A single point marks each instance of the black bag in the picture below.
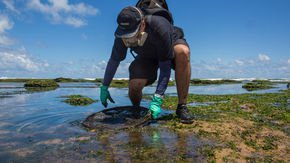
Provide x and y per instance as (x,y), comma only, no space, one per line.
(155,7)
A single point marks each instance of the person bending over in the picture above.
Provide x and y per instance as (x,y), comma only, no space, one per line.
(158,45)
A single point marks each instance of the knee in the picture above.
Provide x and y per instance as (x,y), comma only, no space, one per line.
(182,52)
(134,90)
(135,87)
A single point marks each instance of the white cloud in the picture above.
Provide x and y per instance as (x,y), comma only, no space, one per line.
(239,62)
(249,68)
(5,25)
(99,67)
(4,40)
(76,22)
(123,69)
(211,67)
(219,60)
(103,63)
(18,60)
(10,5)
(289,61)
(264,57)
(283,68)
(250,62)
(61,12)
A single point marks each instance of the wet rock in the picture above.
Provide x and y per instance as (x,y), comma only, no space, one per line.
(41,84)
(247,107)
(257,86)
(117,118)
(78,100)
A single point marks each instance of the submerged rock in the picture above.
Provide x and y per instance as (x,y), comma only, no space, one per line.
(117,118)
(257,86)
(78,100)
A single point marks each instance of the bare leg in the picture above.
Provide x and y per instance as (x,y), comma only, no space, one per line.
(182,71)
(135,90)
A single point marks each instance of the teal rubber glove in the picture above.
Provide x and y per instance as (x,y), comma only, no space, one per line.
(155,105)
(105,95)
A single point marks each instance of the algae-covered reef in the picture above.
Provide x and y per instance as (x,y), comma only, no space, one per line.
(69,80)
(41,84)
(258,85)
(98,80)
(36,85)
(229,128)
(207,82)
(59,80)
(78,100)
(124,83)
(247,127)
(119,83)
(14,80)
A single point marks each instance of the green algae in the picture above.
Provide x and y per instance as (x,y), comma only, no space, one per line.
(35,85)
(171,83)
(41,84)
(208,82)
(208,152)
(270,143)
(78,100)
(146,145)
(70,80)
(119,83)
(98,80)
(244,124)
(234,128)
(258,85)
(15,80)
(59,80)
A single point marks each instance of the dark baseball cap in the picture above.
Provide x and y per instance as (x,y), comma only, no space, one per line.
(129,20)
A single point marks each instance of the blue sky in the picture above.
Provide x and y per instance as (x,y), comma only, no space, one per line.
(73,38)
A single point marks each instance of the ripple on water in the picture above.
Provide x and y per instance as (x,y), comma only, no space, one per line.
(43,121)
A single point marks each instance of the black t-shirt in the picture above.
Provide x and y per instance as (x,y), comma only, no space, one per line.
(157,46)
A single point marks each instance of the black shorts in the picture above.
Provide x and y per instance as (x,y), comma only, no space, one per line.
(178,37)
(143,68)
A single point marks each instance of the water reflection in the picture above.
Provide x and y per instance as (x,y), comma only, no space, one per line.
(149,145)
(34,90)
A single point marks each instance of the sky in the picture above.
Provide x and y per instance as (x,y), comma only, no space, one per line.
(74,38)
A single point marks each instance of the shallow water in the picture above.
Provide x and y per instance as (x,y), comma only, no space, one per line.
(39,126)
(220,89)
